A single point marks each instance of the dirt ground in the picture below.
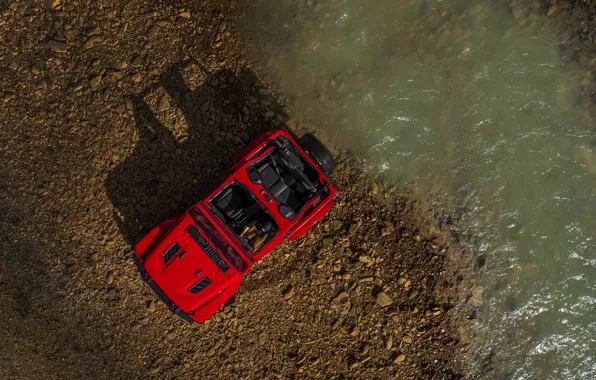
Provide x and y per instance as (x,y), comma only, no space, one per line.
(117,114)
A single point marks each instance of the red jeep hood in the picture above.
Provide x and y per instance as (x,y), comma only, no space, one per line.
(185,269)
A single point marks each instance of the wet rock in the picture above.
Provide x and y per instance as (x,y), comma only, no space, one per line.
(57,46)
(383,299)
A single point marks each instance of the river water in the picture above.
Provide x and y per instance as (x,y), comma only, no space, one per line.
(480,113)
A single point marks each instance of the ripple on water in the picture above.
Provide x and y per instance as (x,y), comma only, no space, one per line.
(481,113)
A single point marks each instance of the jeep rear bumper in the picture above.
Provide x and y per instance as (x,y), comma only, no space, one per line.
(162,296)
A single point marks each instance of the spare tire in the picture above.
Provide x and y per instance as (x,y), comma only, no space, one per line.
(318,152)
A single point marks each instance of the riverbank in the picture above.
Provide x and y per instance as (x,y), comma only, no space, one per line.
(116,115)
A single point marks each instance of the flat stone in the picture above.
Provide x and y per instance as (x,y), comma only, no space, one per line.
(164,104)
(383,299)
(152,32)
(57,46)
(95,81)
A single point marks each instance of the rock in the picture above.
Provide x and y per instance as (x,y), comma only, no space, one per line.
(405,232)
(135,77)
(385,232)
(365,259)
(95,81)
(184,14)
(152,32)
(110,277)
(407,340)
(388,342)
(400,359)
(112,294)
(8,96)
(57,46)
(341,303)
(91,41)
(151,306)
(164,104)
(383,299)
(401,280)
(552,10)
(328,241)
(374,188)
(288,293)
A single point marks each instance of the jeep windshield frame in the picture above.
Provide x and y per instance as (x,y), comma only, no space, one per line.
(218,240)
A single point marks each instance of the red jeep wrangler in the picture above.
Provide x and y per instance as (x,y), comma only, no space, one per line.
(277,189)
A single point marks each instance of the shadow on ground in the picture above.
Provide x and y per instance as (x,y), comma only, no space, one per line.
(166,174)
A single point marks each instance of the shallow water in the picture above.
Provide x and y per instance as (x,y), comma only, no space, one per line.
(480,113)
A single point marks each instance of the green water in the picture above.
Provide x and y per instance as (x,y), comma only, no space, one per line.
(480,112)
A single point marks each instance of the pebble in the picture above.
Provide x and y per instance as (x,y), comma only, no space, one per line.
(8,96)
(328,241)
(112,294)
(407,339)
(110,277)
(388,342)
(383,299)
(289,292)
(95,81)
(400,359)
(185,14)
(152,32)
(57,46)
(164,104)
(136,77)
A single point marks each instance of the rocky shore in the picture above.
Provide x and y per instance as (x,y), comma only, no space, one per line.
(117,114)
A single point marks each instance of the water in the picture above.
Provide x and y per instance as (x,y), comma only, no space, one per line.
(480,113)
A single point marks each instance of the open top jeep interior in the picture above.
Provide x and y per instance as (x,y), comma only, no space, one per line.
(245,215)
(288,177)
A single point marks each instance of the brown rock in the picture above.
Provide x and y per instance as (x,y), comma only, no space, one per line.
(8,96)
(400,359)
(383,299)
(288,292)
(152,32)
(164,104)
(95,81)
(185,14)
(135,77)
(389,342)
(57,46)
